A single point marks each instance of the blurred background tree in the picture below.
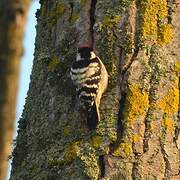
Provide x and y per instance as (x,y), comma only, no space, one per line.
(12,22)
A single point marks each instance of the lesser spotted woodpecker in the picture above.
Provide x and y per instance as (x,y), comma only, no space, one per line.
(89,75)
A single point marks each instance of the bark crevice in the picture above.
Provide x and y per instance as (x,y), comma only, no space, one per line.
(137,161)
(92,18)
(148,118)
(72,9)
(170,4)
(168,171)
(120,115)
(136,39)
(177,128)
(102,166)
(133,57)
(124,76)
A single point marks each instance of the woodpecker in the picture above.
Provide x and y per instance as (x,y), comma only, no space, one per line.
(90,77)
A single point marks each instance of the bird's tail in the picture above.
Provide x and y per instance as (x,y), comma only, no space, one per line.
(93,117)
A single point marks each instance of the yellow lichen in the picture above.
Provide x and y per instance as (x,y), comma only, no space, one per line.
(96,141)
(177,67)
(169,103)
(53,63)
(137,138)
(149,26)
(154,12)
(161,6)
(136,104)
(110,21)
(67,130)
(168,124)
(124,150)
(165,34)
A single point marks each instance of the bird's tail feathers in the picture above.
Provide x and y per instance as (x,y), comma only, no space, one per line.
(93,117)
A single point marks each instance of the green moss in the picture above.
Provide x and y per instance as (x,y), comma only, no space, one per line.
(105,47)
(124,170)
(111,37)
(55,13)
(69,154)
(96,141)
(82,3)
(148,177)
(88,162)
(60,8)
(75,16)
(43,9)
(67,130)
(110,21)
(125,3)
(107,127)
(53,63)
(115,7)
(154,12)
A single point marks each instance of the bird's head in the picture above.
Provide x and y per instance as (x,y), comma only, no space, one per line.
(84,52)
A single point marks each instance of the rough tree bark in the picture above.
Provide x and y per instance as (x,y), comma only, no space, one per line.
(12,22)
(138,135)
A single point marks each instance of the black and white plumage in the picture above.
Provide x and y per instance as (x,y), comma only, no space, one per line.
(89,75)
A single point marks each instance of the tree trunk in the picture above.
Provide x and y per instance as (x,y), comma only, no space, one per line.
(12,22)
(138,135)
